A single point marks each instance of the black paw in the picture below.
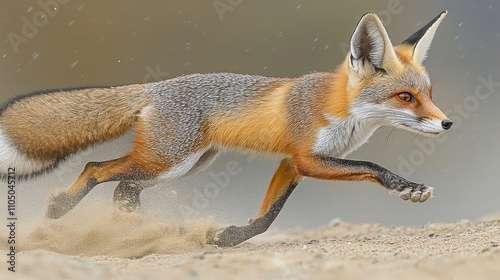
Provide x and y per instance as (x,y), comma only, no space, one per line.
(60,204)
(229,236)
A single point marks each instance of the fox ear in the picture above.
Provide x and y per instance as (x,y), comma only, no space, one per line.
(421,40)
(371,48)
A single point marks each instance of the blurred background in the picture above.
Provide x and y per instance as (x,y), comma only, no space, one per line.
(68,43)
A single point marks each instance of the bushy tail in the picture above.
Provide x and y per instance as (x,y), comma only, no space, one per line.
(40,129)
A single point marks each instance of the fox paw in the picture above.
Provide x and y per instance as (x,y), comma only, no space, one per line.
(226,237)
(58,205)
(231,236)
(127,202)
(419,193)
(127,206)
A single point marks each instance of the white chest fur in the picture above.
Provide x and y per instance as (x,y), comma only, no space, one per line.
(343,136)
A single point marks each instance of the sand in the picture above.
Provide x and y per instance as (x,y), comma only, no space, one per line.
(101,243)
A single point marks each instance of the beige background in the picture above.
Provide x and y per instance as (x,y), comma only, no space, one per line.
(85,43)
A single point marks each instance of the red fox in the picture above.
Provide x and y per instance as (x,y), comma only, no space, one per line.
(182,124)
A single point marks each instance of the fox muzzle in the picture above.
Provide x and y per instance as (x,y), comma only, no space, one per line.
(446,124)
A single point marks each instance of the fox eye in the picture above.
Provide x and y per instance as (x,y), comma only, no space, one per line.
(406,97)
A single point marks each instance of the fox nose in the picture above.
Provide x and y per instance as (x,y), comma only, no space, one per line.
(446,124)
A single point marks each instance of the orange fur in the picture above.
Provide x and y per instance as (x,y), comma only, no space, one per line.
(338,97)
(100,173)
(143,154)
(62,120)
(260,126)
(405,55)
(281,181)
(427,109)
(310,167)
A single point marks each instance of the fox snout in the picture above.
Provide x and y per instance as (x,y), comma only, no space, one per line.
(435,121)
(446,124)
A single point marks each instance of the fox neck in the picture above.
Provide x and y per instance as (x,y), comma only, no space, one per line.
(344,135)
(349,121)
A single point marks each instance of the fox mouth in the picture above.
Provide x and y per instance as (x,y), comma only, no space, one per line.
(430,134)
(421,131)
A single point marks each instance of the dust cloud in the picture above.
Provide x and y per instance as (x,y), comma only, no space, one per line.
(101,229)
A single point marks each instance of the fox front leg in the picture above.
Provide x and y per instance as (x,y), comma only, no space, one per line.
(291,172)
(331,168)
(284,181)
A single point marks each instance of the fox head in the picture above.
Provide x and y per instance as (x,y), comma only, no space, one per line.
(391,85)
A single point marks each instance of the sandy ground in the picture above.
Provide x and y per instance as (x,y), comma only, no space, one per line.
(107,244)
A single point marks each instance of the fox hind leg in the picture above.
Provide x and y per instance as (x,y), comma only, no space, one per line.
(132,176)
(127,194)
(122,169)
